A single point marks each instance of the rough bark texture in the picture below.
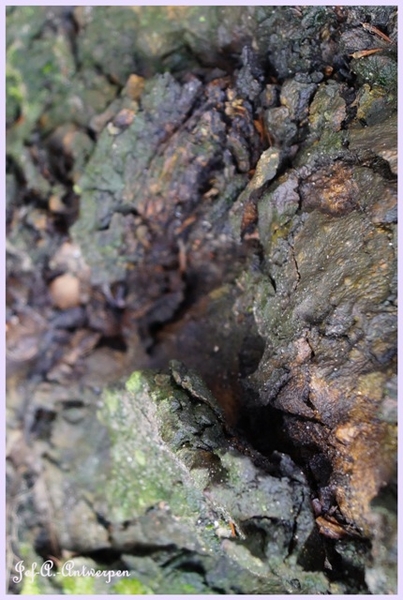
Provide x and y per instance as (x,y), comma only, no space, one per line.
(218,186)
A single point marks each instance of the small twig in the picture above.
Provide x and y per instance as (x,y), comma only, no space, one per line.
(376,31)
(362,53)
(182,256)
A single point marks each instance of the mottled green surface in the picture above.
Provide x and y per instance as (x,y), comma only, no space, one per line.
(171,483)
(156,481)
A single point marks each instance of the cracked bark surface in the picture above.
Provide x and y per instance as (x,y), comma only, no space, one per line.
(238,214)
